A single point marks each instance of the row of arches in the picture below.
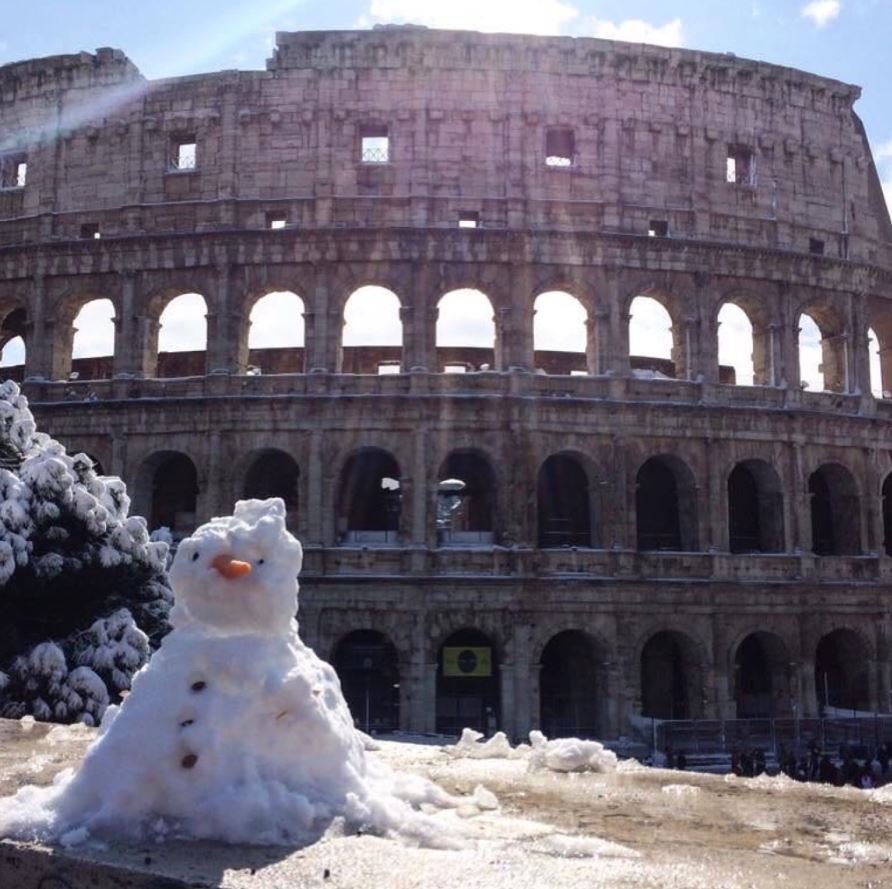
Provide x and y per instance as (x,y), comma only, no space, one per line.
(372,316)
(574,680)
(368,503)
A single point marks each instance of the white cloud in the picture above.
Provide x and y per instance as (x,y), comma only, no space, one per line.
(638,31)
(507,16)
(821,12)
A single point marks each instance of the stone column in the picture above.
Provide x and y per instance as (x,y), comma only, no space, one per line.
(418,533)
(223,327)
(617,347)
(506,722)
(790,373)
(717,537)
(39,335)
(800,532)
(808,695)
(597,331)
(706,362)
(324,326)
(126,361)
(314,509)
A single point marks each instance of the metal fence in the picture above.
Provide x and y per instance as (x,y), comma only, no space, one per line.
(864,732)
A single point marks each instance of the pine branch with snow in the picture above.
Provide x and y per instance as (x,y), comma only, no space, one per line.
(76,568)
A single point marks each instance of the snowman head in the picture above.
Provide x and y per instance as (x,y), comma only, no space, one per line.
(238,573)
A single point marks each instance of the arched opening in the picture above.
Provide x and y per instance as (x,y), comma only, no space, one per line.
(665,505)
(755,509)
(761,677)
(671,677)
(468,684)
(841,672)
(736,346)
(273,473)
(276,334)
(466,497)
(373,332)
(173,482)
(875,364)
(94,330)
(651,348)
(887,515)
(560,337)
(572,691)
(367,665)
(835,511)
(182,336)
(370,499)
(811,372)
(466,332)
(564,503)
(13,352)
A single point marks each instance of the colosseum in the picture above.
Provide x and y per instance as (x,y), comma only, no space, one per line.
(509,534)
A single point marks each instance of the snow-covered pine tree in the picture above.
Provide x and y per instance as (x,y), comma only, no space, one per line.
(83,589)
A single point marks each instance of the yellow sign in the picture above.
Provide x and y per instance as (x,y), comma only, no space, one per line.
(467,661)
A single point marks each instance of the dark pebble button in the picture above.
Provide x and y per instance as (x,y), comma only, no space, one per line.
(198,686)
(189,760)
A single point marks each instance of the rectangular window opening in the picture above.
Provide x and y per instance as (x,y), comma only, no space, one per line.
(388,367)
(816,246)
(454,368)
(560,147)
(13,171)
(739,166)
(658,228)
(276,221)
(375,145)
(90,231)
(469,219)
(185,154)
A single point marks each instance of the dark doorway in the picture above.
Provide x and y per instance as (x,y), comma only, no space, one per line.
(564,508)
(755,509)
(670,677)
(569,698)
(467,684)
(370,499)
(665,505)
(174,494)
(835,512)
(367,664)
(841,672)
(761,686)
(466,500)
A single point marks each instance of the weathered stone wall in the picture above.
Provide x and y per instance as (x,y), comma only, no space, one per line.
(467,117)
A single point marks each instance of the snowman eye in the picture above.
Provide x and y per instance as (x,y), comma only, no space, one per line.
(260,561)
(194,557)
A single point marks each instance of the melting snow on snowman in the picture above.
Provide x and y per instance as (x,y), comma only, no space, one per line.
(235,730)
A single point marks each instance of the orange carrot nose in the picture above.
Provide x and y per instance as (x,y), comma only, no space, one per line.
(230,567)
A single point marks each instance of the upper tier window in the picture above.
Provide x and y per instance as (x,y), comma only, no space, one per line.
(740,168)
(13,171)
(560,147)
(184,154)
(375,145)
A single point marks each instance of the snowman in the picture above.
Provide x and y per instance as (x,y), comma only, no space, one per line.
(235,730)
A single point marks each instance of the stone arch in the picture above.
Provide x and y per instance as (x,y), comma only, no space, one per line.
(566,505)
(369,501)
(93,338)
(13,332)
(656,333)
(672,670)
(187,332)
(835,511)
(466,331)
(842,670)
(372,336)
(367,664)
(167,487)
(466,499)
(573,686)
(666,505)
(833,346)
(879,315)
(762,671)
(755,508)
(67,308)
(270,472)
(735,346)
(276,333)
(560,333)
(760,322)
(468,692)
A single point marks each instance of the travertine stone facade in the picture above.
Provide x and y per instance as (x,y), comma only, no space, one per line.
(694,178)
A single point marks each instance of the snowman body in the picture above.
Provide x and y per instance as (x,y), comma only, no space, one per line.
(235,729)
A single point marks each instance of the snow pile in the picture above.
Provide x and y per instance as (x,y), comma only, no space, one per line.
(235,730)
(471,746)
(558,755)
(570,755)
(69,552)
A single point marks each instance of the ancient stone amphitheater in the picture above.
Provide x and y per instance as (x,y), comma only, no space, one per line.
(551,538)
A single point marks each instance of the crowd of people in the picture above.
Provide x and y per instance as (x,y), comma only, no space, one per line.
(856,766)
